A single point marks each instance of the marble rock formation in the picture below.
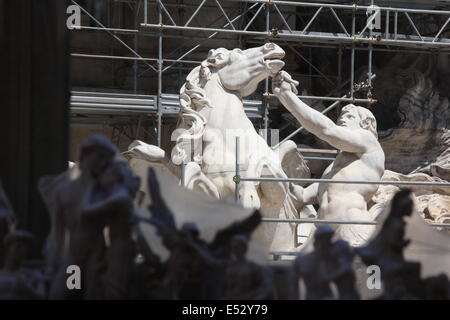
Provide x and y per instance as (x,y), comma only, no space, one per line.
(415,93)
(433,202)
(428,245)
(405,249)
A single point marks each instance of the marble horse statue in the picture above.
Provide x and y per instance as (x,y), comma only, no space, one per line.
(212,115)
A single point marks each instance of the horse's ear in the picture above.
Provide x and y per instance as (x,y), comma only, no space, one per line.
(211,53)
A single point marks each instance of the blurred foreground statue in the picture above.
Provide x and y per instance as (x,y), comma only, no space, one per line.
(342,273)
(92,225)
(7,220)
(246,280)
(311,267)
(195,268)
(330,262)
(17,282)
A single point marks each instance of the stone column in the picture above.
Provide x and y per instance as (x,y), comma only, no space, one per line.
(34,105)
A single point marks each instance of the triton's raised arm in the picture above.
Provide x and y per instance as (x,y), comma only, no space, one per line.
(344,135)
(361,158)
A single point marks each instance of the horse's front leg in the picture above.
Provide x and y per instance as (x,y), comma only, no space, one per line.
(273,192)
(249,196)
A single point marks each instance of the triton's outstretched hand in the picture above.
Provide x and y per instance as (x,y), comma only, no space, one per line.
(283,82)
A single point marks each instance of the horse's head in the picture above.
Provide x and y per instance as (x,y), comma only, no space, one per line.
(242,70)
(238,72)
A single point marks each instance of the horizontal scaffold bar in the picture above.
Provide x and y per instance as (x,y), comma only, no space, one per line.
(343,6)
(324,151)
(316,36)
(323,221)
(401,183)
(319,158)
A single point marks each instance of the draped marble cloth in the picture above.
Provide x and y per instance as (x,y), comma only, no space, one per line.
(209,214)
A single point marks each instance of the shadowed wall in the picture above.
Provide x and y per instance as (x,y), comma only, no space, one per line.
(34,86)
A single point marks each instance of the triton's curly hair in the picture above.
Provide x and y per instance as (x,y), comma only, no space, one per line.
(368,120)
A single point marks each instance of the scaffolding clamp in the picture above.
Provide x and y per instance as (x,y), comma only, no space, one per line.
(273,32)
(374,39)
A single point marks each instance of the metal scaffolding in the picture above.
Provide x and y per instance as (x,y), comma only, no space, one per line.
(347,37)
(351,36)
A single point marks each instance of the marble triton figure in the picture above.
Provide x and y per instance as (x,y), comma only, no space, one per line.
(360,158)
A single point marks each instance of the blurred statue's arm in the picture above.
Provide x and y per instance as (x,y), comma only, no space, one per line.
(117,198)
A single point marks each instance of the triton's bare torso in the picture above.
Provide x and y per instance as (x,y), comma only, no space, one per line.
(350,166)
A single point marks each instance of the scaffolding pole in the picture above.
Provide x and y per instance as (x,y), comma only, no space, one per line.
(160,68)
(237,173)
(369,63)
(352,61)
(266,82)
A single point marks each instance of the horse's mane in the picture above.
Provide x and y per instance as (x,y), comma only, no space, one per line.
(191,124)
